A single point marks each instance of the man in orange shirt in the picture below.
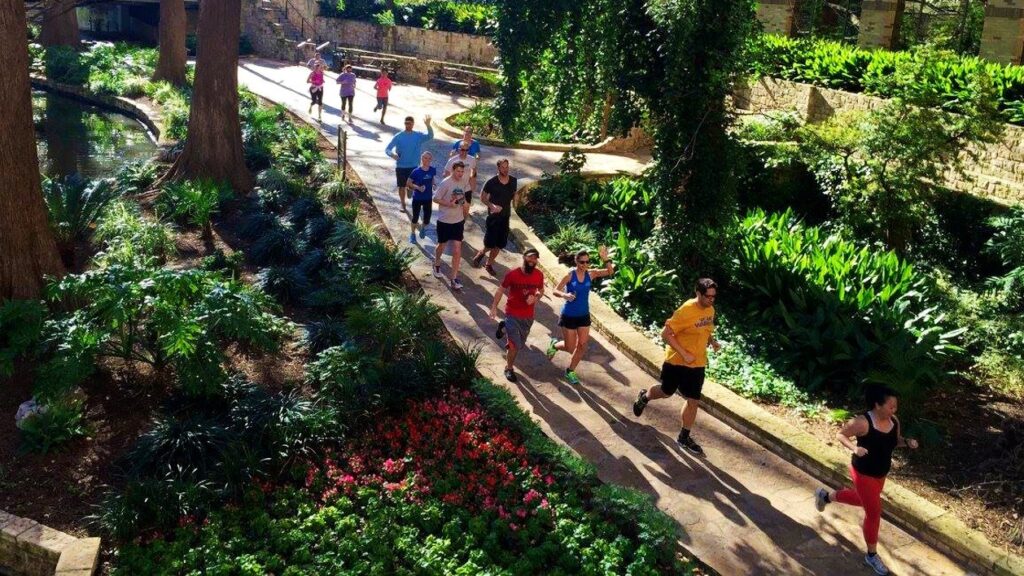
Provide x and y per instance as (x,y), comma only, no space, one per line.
(687,335)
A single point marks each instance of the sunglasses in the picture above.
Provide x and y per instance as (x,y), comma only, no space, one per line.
(708,296)
(583,261)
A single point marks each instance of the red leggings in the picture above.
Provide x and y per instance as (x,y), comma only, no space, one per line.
(866,493)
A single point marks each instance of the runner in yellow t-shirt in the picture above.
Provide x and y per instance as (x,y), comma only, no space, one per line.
(687,335)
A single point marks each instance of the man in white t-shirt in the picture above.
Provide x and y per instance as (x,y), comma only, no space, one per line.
(469,175)
(453,200)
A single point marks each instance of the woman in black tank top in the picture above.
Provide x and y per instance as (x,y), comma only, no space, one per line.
(878,434)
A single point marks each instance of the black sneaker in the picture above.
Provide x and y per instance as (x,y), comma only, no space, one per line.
(500,332)
(510,375)
(690,445)
(640,404)
(477,260)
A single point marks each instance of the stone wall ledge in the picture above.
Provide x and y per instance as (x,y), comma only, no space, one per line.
(28,548)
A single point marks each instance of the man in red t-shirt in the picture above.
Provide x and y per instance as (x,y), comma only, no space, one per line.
(524,287)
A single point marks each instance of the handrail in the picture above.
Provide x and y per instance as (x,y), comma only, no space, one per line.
(303,22)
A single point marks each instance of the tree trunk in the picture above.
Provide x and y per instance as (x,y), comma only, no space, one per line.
(28,251)
(173,24)
(213,147)
(60,24)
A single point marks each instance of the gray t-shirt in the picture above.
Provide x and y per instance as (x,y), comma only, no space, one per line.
(450,190)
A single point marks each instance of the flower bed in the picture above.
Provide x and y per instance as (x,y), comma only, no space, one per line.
(441,487)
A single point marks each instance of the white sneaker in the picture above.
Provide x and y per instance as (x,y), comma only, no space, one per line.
(875,562)
(820,501)
(437,272)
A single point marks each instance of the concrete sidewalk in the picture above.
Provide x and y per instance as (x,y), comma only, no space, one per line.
(744,510)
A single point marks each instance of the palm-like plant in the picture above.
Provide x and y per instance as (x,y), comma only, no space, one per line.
(75,204)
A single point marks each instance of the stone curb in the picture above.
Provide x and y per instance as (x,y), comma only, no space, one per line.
(149,117)
(904,508)
(28,547)
(444,126)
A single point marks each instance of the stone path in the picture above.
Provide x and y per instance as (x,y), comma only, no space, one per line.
(744,509)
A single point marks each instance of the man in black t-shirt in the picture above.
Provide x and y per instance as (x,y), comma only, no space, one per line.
(497,196)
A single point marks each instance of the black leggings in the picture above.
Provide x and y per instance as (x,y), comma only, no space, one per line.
(426,206)
(346,101)
(317,95)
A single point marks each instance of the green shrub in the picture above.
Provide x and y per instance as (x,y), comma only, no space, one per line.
(136,177)
(193,202)
(179,319)
(21,324)
(640,285)
(61,421)
(837,65)
(74,205)
(127,238)
(843,314)
(219,261)
(571,237)
(64,65)
(1007,243)
(287,285)
(480,116)
(174,107)
(625,200)
(392,323)
(323,334)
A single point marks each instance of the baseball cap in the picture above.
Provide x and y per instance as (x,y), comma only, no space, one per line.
(532,252)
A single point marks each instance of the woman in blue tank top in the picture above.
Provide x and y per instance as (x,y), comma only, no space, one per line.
(575,319)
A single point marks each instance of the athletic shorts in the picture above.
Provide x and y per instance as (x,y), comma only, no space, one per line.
(316,94)
(688,381)
(496,234)
(381,103)
(516,331)
(574,322)
(447,232)
(402,176)
(426,206)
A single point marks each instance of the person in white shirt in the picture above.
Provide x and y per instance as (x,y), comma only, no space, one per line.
(468,178)
(453,201)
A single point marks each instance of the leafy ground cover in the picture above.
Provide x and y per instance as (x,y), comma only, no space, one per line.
(448,15)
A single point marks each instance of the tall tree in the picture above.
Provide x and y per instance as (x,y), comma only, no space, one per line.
(28,251)
(173,23)
(60,24)
(213,147)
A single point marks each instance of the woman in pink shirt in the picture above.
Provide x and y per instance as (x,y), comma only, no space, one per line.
(383,86)
(316,90)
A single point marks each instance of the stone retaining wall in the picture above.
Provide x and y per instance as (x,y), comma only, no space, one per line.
(998,174)
(27,548)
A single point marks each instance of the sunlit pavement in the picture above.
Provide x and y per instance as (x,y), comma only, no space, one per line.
(744,510)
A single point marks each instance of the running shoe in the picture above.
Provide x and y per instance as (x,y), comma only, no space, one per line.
(690,445)
(456,285)
(478,259)
(510,375)
(500,332)
(437,271)
(423,231)
(640,404)
(876,564)
(551,351)
(490,270)
(572,378)
(820,499)
(412,238)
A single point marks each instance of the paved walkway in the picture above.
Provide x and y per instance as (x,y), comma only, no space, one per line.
(744,509)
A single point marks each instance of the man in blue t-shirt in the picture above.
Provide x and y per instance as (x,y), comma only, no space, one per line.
(421,182)
(405,148)
(471,143)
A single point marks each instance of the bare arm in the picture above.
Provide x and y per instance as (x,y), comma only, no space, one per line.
(560,289)
(669,337)
(902,442)
(855,427)
(609,266)
(498,295)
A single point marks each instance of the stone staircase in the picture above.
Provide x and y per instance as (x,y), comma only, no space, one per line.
(266,25)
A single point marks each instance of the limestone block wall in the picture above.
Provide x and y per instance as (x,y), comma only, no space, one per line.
(998,174)
(879,22)
(27,548)
(777,16)
(1002,38)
